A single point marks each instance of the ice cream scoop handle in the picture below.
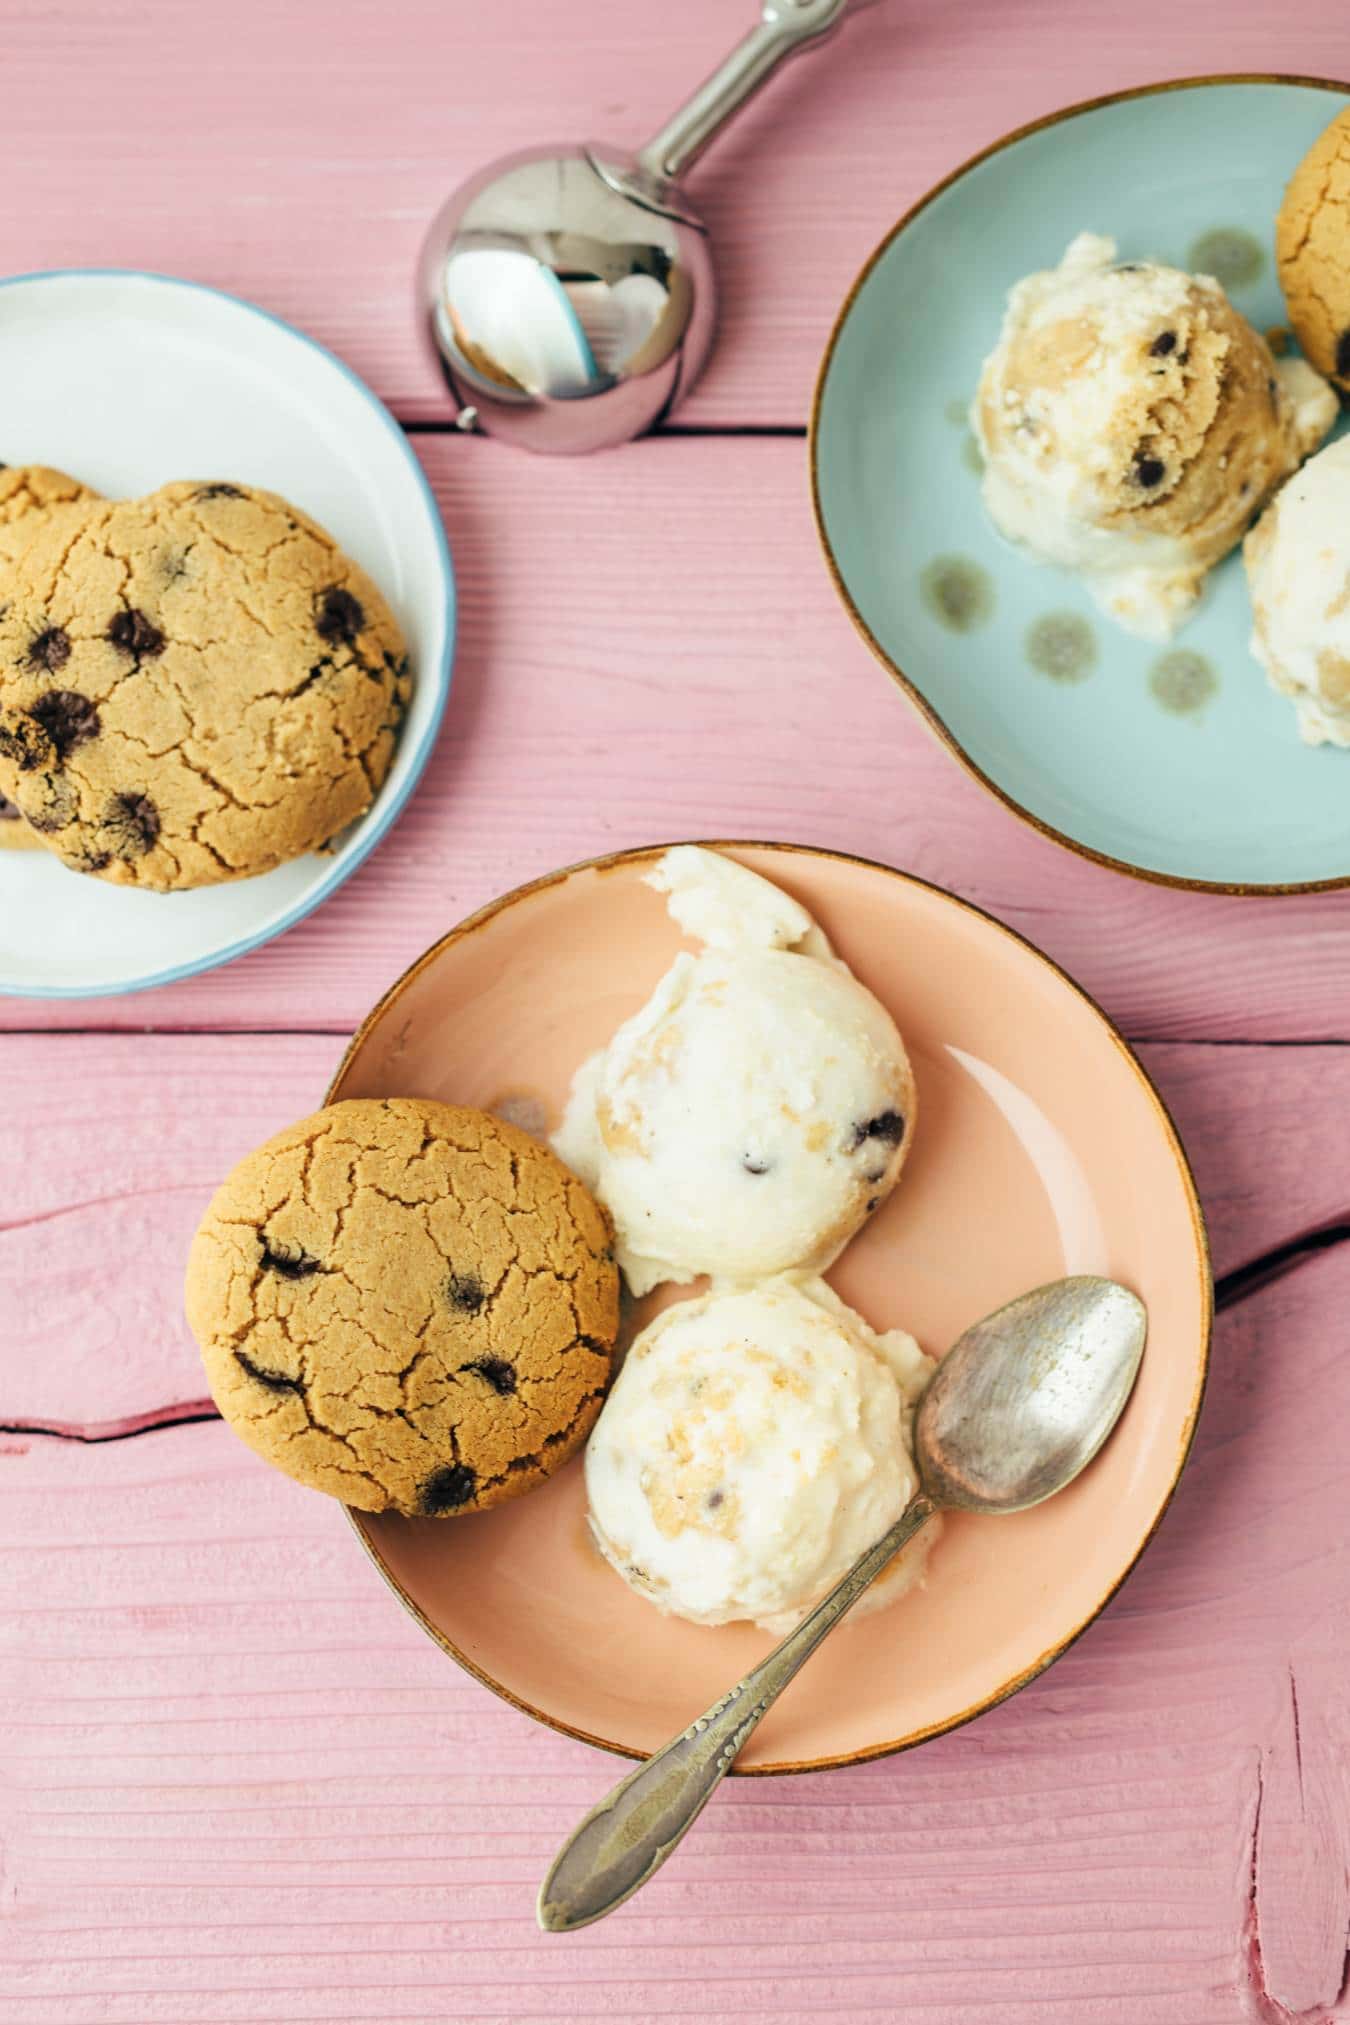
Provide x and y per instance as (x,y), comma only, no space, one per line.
(783,26)
(627,1838)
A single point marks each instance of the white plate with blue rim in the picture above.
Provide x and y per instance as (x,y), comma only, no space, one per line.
(129,380)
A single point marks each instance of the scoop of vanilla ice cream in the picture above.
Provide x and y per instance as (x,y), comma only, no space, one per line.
(1298,573)
(760,1105)
(756,1443)
(1133,424)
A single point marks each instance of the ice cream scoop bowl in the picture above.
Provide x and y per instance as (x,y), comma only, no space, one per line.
(1017,1409)
(569,292)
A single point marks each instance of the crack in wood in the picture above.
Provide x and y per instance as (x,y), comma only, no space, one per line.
(340,1030)
(1241,1282)
(1221,1040)
(774,431)
(65,1209)
(188,1414)
(1296,1940)
(1267,2009)
(1235,1286)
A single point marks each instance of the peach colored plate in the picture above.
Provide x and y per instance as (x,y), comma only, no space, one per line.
(1041,1149)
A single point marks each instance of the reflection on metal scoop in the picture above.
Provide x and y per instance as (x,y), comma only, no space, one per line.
(570,292)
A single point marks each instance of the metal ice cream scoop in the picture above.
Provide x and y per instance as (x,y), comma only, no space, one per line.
(570,291)
(1018,1406)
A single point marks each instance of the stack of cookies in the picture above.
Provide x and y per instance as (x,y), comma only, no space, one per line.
(195,686)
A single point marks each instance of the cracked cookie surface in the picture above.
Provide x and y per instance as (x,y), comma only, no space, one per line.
(196,686)
(1312,251)
(26,490)
(407,1305)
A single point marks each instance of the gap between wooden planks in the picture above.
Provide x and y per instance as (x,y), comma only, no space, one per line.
(241,1786)
(101,1199)
(321,158)
(650,649)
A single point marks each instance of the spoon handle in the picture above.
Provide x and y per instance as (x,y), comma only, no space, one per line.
(627,1838)
(783,26)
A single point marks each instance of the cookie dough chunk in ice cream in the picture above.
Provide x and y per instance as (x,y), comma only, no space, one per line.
(760,1105)
(1133,425)
(1298,572)
(754,1445)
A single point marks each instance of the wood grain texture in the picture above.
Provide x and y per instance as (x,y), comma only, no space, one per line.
(101,1200)
(270,150)
(243,1787)
(237,1785)
(650,649)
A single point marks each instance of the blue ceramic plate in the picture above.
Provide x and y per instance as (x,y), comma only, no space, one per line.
(128,380)
(1191,772)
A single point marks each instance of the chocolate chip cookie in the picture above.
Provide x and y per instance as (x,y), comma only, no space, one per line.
(194,687)
(1310,251)
(25,491)
(407,1305)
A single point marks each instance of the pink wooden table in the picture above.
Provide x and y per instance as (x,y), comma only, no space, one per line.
(237,1784)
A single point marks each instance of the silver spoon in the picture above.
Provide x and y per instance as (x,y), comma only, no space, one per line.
(569,291)
(1019,1405)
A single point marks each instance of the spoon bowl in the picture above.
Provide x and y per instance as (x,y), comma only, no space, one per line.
(1026,1398)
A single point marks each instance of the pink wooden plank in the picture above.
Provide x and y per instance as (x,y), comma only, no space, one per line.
(100,1208)
(614,691)
(242,1786)
(101,1201)
(298,160)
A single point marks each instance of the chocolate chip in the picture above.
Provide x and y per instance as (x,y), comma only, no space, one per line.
(24,742)
(888,1126)
(8,812)
(135,634)
(500,1375)
(754,1166)
(1149,471)
(50,650)
(51,804)
(446,1490)
(872,1202)
(69,719)
(338,615)
(1128,267)
(275,1381)
(465,1293)
(715,1499)
(290,1262)
(1165,342)
(217,490)
(1343,354)
(131,826)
